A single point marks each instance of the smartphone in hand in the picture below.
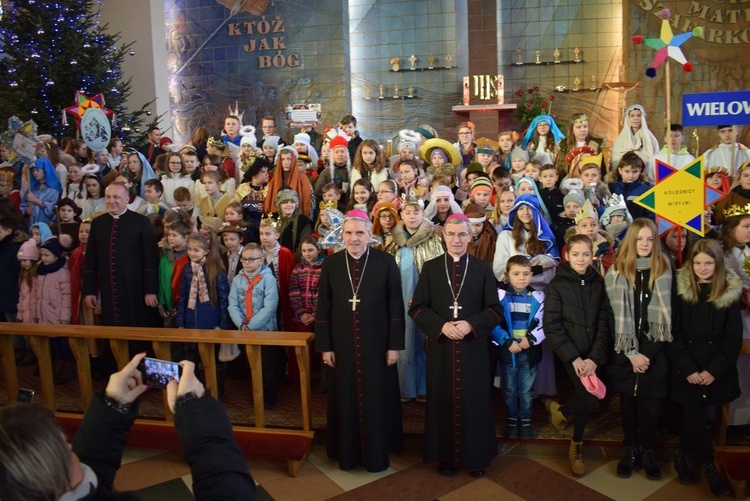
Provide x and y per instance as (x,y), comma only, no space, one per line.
(158,373)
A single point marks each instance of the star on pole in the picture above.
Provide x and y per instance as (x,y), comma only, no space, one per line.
(667,45)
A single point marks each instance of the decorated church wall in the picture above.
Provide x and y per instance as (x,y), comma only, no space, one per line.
(719,56)
(341,54)
(415,52)
(270,54)
(585,36)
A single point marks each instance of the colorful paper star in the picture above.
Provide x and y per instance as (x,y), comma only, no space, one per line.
(83,103)
(667,45)
(680,197)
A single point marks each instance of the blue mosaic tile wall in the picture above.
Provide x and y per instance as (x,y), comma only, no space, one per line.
(216,57)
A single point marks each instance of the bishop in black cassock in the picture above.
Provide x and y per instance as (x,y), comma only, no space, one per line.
(122,260)
(364,407)
(459,426)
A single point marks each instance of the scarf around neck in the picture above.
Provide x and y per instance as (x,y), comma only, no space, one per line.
(659,317)
(44,269)
(198,287)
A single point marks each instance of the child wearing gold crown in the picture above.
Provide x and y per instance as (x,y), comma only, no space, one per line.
(616,218)
(577,140)
(739,195)
(735,240)
(415,241)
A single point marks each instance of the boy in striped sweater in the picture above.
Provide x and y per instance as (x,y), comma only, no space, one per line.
(519,339)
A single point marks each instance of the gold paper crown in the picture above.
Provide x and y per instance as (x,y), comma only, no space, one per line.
(412,199)
(736,210)
(594,159)
(587,211)
(268,220)
(327,204)
(716,170)
(583,119)
(216,143)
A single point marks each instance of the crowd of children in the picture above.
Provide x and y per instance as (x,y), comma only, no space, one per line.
(582,272)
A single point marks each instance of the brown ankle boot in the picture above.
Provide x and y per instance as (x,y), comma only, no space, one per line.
(575,455)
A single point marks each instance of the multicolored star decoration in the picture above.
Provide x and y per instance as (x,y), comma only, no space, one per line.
(83,103)
(26,129)
(680,197)
(667,45)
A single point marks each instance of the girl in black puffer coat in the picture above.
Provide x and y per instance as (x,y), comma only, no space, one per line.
(577,320)
(707,332)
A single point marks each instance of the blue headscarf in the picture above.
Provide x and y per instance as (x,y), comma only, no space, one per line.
(556,133)
(50,175)
(146,173)
(543,231)
(542,207)
(44,231)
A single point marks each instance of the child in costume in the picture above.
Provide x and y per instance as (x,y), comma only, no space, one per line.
(415,241)
(587,223)
(635,137)
(728,154)
(541,139)
(44,192)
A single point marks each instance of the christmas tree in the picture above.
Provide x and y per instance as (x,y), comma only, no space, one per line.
(51,49)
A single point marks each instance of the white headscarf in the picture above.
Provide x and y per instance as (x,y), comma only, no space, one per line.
(643,142)
(439,191)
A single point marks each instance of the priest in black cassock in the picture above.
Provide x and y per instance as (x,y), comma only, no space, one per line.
(456,306)
(122,260)
(359,327)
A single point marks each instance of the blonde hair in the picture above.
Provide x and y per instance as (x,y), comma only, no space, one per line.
(213,264)
(627,253)
(496,212)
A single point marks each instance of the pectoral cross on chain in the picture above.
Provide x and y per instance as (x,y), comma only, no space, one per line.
(354,302)
(455,309)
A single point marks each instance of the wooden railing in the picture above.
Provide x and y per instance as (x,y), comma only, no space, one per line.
(721,429)
(118,337)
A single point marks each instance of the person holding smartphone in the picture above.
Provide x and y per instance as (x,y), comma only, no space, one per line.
(38,463)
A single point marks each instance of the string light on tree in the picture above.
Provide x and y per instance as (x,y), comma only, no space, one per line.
(50,50)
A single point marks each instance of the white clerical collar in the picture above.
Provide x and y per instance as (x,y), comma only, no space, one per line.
(358,256)
(456,259)
(120,214)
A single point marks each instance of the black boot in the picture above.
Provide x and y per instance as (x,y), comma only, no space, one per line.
(683,468)
(649,464)
(716,481)
(628,462)
(511,431)
(527,432)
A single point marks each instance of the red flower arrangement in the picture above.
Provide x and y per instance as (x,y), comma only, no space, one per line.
(530,105)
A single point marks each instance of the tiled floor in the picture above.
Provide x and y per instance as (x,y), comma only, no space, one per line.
(529,470)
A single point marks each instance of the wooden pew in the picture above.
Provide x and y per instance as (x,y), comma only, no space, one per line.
(293,445)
